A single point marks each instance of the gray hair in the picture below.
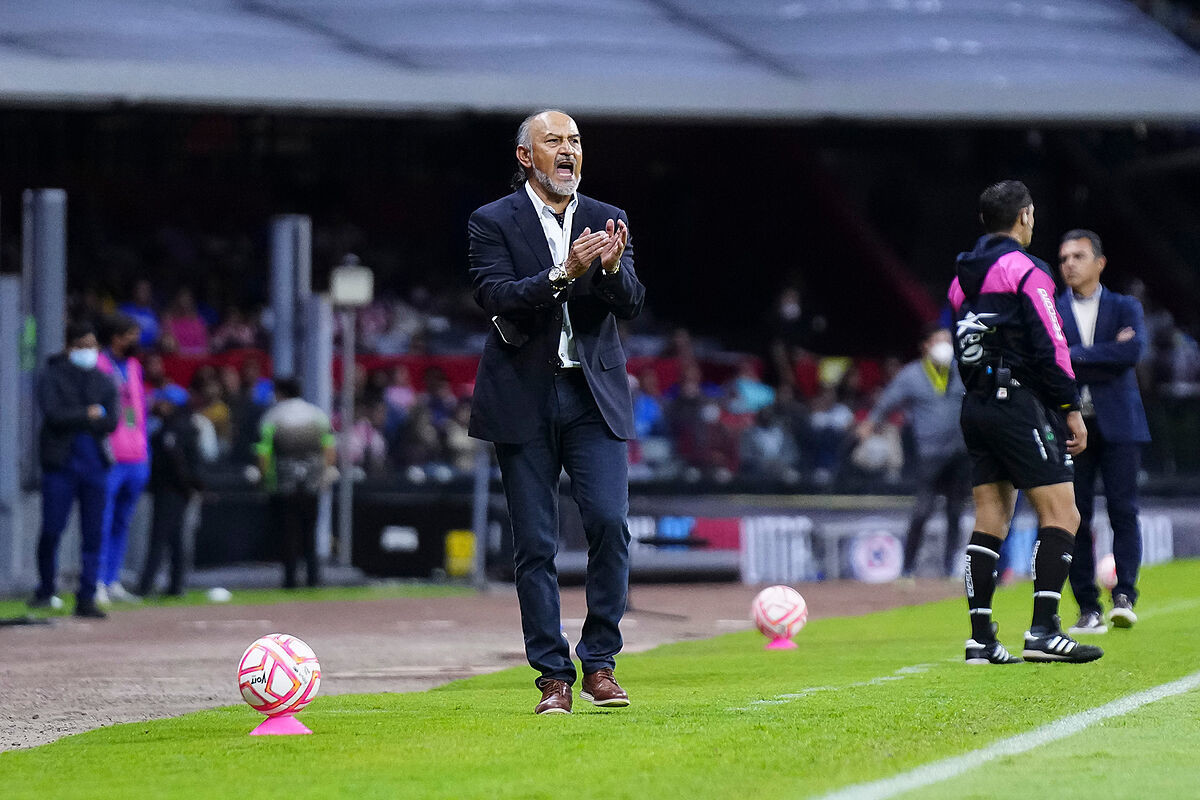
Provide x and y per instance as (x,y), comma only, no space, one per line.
(525,139)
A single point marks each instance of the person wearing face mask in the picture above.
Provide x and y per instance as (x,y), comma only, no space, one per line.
(129,474)
(79,411)
(930,392)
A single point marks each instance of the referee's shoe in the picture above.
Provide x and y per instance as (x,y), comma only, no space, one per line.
(989,652)
(1054,645)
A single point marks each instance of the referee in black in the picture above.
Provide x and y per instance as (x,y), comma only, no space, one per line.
(1020,419)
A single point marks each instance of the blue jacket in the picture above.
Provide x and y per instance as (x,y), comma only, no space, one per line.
(510,266)
(1106,367)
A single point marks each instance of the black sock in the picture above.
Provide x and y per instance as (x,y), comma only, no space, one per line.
(983,551)
(1051,563)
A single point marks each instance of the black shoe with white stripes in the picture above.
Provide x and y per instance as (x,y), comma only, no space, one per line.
(989,652)
(1054,645)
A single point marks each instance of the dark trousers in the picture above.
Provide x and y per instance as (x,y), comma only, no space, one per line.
(1117,465)
(166,538)
(60,489)
(294,517)
(577,439)
(951,478)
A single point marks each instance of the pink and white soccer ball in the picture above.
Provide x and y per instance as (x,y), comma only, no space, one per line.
(780,612)
(1106,571)
(279,674)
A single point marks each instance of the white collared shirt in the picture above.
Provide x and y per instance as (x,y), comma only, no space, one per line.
(559,239)
(1086,311)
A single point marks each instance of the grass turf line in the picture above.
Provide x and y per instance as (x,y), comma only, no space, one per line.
(478,737)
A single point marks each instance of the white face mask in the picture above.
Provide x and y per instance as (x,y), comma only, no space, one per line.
(84,358)
(941,353)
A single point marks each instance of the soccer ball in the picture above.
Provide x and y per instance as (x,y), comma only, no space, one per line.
(1106,571)
(780,612)
(279,674)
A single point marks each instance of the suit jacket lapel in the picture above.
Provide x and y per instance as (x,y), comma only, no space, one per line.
(579,221)
(527,221)
(1070,326)
(1104,318)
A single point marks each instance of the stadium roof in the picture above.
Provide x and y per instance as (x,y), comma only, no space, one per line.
(1072,60)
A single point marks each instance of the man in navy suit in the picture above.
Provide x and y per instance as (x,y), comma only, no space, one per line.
(554,270)
(1107,336)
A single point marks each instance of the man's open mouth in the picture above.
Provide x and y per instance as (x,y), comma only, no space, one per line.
(564,169)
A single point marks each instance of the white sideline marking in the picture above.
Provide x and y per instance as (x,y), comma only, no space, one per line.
(787,697)
(938,771)
(1184,605)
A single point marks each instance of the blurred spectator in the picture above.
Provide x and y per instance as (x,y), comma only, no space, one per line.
(460,447)
(419,442)
(368,448)
(750,394)
(184,331)
(794,323)
(403,322)
(649,418)
(130,449)
(79,410)
(212,406)
(680,346)
(706,445)
(829,421)
(174,478)
(439,396)
(249,396)
(768,448)
(141,308)
(400,394)
(234,332)
(692,384)
(930,391)
(230,379)
(296,457)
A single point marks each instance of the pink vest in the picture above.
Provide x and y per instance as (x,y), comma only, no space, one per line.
(129,439)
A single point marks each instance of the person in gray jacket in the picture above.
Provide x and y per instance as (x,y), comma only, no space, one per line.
(930,391)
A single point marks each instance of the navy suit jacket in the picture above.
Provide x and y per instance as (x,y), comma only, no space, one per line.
(1106,367)
(510,265)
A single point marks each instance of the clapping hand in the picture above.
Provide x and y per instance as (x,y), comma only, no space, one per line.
(618,235)
(584,251)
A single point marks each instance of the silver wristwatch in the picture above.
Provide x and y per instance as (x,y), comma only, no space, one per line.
(558,278)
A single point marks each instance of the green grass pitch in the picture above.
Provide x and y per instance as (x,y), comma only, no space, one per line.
(861,699)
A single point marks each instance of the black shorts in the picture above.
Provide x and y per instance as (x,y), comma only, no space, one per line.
(1016,439)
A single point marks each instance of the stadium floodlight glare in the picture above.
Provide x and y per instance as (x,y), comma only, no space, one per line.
(351,285)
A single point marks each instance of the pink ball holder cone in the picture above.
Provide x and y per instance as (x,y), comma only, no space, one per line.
(280,725)
(780,643)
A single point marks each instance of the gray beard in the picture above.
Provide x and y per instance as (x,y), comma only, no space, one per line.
(554,187)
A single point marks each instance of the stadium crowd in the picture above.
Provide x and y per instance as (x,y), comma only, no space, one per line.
(784,417)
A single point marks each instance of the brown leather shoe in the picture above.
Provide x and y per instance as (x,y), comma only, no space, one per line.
(600,688)
(556,697)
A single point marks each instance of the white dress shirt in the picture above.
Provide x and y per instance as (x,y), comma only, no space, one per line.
(1086,310)
(558,237)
